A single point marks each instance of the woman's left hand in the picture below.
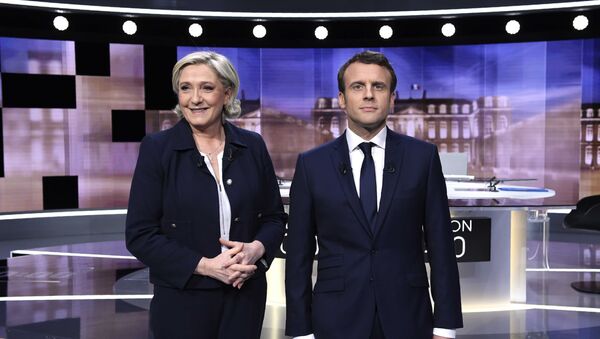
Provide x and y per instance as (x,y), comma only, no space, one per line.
(249,255)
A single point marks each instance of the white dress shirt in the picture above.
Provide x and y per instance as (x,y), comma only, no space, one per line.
(356,159)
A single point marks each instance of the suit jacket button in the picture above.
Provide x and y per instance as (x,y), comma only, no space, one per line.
(173,226)
(371,279)
(259,215)
(229,182)
(236,219)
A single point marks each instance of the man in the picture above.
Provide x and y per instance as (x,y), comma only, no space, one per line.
(371,197)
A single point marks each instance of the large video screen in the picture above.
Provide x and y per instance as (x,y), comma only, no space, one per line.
(521,110)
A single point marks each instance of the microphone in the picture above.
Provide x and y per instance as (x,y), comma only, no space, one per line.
(200,162)
(389,168)
(343,168)
(230,155)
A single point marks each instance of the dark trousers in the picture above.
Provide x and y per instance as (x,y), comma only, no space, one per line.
(377,331)
(221,313)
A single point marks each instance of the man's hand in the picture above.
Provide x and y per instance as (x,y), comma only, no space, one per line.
(227,266)
(249,254)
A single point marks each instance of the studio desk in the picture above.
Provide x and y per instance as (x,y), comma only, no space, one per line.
(490,244)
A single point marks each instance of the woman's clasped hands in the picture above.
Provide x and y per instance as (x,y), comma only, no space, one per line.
(235,265)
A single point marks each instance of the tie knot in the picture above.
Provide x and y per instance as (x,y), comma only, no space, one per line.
(365,147)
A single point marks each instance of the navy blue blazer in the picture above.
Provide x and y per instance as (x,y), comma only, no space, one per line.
(173,214)
(361,271)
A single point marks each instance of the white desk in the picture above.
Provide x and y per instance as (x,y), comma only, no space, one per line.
(472,190)
(480,190)
(484,284)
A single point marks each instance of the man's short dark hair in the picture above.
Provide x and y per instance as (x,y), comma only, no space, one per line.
(367,57)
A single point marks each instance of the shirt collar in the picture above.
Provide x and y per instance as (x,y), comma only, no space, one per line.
(354,140)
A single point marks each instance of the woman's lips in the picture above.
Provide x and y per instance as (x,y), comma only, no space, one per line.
(198,110)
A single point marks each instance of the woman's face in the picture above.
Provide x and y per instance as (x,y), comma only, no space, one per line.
(201,96)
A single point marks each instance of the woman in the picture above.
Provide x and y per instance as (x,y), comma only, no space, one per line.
(205,214)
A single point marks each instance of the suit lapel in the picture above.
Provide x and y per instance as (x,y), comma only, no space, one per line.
(340,160)
(394,151)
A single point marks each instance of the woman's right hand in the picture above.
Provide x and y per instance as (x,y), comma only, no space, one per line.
(225,267)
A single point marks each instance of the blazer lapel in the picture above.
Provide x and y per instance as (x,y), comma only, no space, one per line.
(340,160)
(233,145)
(183,142)
(394,151)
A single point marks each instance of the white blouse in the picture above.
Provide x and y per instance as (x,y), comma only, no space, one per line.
(224,206)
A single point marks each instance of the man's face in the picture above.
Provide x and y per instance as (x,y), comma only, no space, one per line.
(367,97)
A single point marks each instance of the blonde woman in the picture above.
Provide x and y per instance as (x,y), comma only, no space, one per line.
(205,214)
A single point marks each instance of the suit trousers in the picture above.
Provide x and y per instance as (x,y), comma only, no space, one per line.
(377,331)
(222,313)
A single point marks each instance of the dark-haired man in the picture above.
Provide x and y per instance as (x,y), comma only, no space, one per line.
(371,196)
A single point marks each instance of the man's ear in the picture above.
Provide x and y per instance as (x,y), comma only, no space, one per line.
(341,100)
(392,99)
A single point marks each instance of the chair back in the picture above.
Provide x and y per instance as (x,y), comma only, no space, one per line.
(586,215)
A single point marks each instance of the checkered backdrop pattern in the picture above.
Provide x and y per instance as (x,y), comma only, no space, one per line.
(71,118)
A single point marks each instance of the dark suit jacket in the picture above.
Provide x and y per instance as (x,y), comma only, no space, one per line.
(360,271)
(173,215)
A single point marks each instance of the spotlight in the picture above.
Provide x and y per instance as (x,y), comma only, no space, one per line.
(61,23)
(129,27)
(195,30)
(259,31)
(580,22)
(386,32)
(321,32)
(512,27)
(448,30)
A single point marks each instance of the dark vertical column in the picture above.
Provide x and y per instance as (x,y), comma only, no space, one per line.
(1,147)
(158,65)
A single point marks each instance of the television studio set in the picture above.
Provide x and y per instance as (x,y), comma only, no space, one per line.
(104,235)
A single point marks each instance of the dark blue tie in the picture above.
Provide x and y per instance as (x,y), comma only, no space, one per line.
(368,187)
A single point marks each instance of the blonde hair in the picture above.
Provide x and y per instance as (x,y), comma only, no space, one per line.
(225,72)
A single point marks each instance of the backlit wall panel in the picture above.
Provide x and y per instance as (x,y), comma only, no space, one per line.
(519,110)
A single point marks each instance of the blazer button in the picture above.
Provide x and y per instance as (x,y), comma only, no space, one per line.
(173,226)
(236,219)
(259,215)
(229,182)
